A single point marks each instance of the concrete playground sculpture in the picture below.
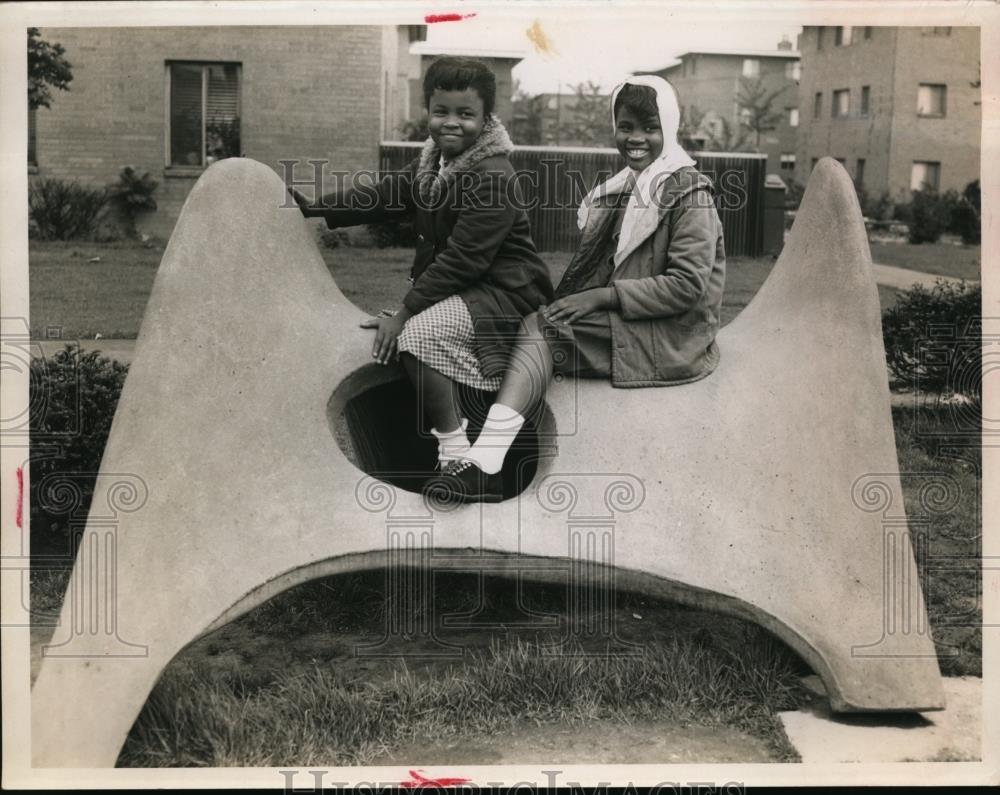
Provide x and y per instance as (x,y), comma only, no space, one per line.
(256,447)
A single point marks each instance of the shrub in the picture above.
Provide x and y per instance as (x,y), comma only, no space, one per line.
(62,210)
(393,234)
(932,338)
(876,208)
(929,214)
(73,397)
(332,238)
(793,194)
(966,215)
(133,193)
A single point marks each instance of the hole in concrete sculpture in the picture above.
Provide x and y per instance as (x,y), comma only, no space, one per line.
(376,419)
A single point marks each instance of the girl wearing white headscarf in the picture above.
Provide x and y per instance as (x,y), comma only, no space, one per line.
(640,301)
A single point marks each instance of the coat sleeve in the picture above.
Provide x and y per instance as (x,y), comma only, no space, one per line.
(484,222)
(387,199)
(690,260)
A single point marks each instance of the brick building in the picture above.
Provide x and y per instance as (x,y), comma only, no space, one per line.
(171,100)
(896,106)
(708,85)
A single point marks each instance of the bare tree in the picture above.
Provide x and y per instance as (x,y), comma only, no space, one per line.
(526,126)
(590,119)
(715,131)
(757,112)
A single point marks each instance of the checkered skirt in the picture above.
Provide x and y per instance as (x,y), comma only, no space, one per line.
(443,337)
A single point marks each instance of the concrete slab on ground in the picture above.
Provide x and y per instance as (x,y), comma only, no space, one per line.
(904,278)
(953,734)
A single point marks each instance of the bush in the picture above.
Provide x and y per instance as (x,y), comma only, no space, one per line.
(73,397)
(929,214)
(393,234)
(133,193)
(332,238)
(932,339)
(793,194)
(875,208)
(966,217)
(62,210)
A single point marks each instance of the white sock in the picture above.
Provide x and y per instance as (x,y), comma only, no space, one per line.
(452,445)
(499,431)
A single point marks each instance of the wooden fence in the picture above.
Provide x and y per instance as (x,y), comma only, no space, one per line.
(554,180)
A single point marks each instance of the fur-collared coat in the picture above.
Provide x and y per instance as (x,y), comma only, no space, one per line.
(473,238)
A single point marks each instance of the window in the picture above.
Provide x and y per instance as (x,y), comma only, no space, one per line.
(935,31)
(815,160)
(841,103)
(32,154)
(793,117)
(788,162)
(841,160)
(868,32)
(842,36)
(925,175)
(819,38)
(859,171)
(931,100)
(204,112)
(746,116)
(865,99)
(793,70)
(417,33)
(694,64)
(751,67)
(818,105)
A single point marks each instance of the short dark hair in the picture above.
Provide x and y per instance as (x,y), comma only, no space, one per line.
(454,73)
(640,100)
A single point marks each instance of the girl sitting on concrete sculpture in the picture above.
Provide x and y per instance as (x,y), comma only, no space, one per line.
(640,300)
(476,271)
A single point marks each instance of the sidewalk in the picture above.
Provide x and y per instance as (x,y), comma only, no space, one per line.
(904,278)
(122,350)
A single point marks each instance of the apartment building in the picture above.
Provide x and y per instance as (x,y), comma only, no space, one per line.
(898,107)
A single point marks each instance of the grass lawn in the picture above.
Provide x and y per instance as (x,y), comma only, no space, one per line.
(941,259)
(108,297)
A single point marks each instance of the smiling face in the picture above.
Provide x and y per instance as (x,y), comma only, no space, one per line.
(455,119)
(640,141)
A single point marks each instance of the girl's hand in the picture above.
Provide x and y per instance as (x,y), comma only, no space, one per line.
(372,322)
(571,308)
(384,349)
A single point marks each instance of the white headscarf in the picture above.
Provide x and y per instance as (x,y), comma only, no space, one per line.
(641,213)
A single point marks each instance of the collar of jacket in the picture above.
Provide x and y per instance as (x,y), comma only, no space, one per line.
(432,177)
(676,186)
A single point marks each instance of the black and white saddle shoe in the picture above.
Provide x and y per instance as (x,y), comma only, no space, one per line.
(463,481)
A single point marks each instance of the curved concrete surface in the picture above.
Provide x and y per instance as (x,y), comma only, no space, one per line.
(770,489)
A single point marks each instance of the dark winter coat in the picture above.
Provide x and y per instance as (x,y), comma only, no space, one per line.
(473,238)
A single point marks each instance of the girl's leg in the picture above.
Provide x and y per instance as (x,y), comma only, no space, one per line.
(439,401)
(523,388)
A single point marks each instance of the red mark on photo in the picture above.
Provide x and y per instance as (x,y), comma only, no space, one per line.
(430,19)
(416,780)
(18,515)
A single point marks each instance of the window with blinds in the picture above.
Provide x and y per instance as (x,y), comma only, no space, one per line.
(204,112)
